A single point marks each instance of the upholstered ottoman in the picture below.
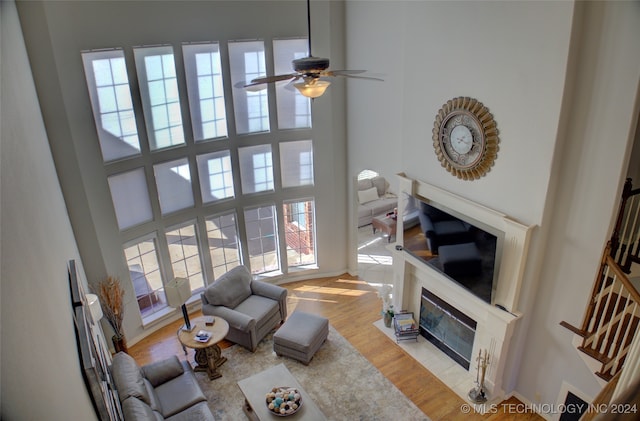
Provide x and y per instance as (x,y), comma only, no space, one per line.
(460,259)
(301,336)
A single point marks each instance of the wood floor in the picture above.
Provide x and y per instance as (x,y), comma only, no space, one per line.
(351,306)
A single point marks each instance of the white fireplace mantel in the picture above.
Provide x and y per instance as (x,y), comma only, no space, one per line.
(495,326)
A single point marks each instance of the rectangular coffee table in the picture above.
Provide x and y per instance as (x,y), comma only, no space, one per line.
(255,388)
(386,224)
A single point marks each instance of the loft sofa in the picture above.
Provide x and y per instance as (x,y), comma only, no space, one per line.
(252,308)
(374,198)
(167,389)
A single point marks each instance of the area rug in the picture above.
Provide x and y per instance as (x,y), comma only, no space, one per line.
(341,381)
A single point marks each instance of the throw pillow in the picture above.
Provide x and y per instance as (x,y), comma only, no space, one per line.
(127,376)
(381,184)
(369,195)
(364,184)
(162,371)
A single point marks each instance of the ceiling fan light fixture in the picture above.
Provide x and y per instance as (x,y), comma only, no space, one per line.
(312,90)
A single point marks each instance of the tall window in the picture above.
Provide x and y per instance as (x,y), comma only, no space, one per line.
(185,255)
(160,97)
(216,176)
(251,107)
(146,277)
(111,102)
(154,178)
(222,234)
(300,232)
(262,239)
(294,109)
(205,89)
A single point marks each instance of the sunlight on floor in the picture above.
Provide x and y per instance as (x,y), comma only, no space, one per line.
(334,291)
(294,298)
(374,259)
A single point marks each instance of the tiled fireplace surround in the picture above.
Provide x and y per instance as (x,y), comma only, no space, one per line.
(495,326)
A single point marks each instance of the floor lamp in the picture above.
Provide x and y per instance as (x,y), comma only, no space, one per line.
(178,292)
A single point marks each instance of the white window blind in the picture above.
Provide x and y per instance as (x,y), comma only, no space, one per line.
(108,85)
(130,197)
(205,90)
(173,180)
(294,109)
(160,98)
(296,163)
(247,62)
(215,175)
(256,168)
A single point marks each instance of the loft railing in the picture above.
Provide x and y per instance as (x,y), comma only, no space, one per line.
(613,313)
(625,240)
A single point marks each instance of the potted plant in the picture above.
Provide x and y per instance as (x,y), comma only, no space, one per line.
(111,294)
(387,307)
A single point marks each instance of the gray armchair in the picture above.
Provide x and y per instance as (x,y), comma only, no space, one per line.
(252,308)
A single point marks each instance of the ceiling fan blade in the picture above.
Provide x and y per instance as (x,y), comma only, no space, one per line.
(270,79)
(363,77)
(341,72)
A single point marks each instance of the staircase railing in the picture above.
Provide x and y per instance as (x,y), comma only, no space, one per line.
(613,313)
(625,240)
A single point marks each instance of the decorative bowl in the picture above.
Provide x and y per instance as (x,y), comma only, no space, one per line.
(283,400)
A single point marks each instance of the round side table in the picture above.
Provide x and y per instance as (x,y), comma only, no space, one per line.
(208,355)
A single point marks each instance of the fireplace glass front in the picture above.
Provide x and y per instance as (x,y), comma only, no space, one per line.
(447,328)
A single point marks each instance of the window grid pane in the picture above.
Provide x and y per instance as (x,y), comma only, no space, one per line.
(206,92)
(185,256)
(300,232)
(262,239)
(160,96)
(296,163)
(294,109)
(111,102)
(256,168)
(222,234)
(216,176)
(146,277)
(247,62)
(130,197)
(173,180)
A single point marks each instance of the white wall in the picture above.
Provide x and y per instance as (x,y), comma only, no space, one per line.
(39,364)
(563,152)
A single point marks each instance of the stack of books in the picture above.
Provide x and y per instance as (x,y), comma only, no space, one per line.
(405,327)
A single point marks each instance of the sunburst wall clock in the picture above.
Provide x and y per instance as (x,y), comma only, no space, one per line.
(465,138)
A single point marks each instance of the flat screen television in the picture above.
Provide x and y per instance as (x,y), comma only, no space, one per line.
(465,251)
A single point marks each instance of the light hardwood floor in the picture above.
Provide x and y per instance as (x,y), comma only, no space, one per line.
(351,305)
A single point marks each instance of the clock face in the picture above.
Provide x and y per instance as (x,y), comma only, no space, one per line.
(462,140)
(465,138)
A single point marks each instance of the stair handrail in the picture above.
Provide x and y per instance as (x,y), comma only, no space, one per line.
(622,277)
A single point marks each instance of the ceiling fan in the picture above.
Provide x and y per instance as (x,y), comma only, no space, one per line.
(310,72)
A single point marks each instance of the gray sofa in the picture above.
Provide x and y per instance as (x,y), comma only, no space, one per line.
(167,390)
(252,308)
(374,198)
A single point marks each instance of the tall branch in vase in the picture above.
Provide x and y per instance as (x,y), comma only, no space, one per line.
(111,296)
